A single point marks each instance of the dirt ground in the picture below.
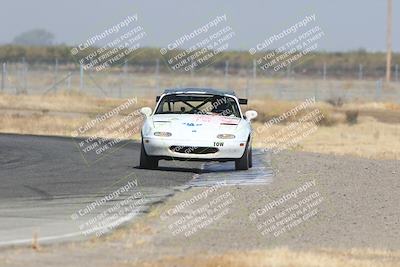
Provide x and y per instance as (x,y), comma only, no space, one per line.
(348,216)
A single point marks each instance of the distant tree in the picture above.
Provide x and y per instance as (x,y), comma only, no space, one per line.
(362,51)
(36,37)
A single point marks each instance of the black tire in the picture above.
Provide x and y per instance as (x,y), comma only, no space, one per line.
(251,157)
(243,162)
(147,162)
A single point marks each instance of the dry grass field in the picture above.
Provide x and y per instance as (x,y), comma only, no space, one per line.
(375,134)
(282,257)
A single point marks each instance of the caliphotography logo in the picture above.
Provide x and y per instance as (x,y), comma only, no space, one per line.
(199,47)
(199,133)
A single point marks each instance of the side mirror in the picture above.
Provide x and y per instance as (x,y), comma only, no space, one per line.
(146,111)
(250,114)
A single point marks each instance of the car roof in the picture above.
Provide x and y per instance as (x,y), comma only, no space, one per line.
(209,91)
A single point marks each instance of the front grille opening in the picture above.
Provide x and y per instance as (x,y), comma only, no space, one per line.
(193,150)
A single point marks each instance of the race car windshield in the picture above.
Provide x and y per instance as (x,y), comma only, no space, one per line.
(195,104)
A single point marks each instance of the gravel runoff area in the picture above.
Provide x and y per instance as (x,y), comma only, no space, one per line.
(314,201)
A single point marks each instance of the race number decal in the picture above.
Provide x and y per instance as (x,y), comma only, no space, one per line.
(218,143)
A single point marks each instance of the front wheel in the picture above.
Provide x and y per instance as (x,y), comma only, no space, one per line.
(251,158)
(147,162)
(244,162)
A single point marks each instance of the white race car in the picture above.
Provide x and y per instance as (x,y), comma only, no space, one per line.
(197,124)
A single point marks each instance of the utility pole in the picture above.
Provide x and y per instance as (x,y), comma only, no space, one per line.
(226,73)
(157,74)
(24,73)
(360,72)
(3,77)
(254,74)
(81,78)
(191,69)
(55,74)
(69,80)
(389,41)
(124,80)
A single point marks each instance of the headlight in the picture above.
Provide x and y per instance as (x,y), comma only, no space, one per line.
(164,134)
(225,136)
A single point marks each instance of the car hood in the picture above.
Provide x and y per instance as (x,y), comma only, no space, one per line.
(195,125)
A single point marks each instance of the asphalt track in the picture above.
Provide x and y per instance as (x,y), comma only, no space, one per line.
(45,180)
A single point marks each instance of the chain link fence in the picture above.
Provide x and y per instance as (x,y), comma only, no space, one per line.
(127,80)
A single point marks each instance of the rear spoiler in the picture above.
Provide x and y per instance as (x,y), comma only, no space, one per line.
(242,101)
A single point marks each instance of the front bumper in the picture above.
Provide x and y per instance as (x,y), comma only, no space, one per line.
(161,147)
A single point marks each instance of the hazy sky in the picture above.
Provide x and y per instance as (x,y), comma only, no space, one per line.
(348,24)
